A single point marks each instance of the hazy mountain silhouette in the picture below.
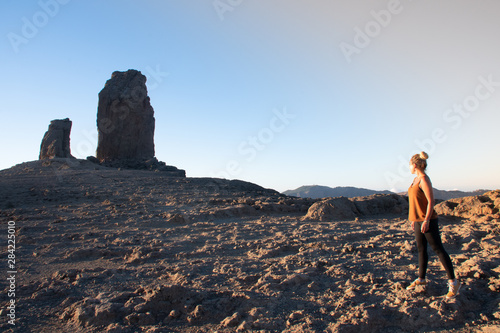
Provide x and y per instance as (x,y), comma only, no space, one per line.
(317,191)
(446,195)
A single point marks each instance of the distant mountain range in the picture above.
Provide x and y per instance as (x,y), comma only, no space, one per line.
(446,195)
(317,191)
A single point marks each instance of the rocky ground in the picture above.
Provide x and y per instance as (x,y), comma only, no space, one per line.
(107,250)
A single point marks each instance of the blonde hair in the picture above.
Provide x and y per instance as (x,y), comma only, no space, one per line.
(420,160)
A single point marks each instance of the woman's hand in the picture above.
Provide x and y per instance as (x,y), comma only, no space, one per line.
(412,225)
(425,227)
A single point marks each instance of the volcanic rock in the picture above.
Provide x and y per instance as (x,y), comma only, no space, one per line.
(381,204)
(55,142)
(330,209)
(125,119)
(486,205)
(126,126)
(342,208)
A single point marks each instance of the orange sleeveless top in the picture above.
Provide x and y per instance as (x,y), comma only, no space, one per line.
(418,204)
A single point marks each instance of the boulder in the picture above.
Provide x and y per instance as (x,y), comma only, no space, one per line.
(341,208)
(477,206)
(332,209)
(55,142)
(381,204)
(125,119)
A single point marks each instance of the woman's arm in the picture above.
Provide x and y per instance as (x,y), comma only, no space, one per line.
(426,186)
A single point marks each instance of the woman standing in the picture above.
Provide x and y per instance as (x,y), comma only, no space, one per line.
(424,221)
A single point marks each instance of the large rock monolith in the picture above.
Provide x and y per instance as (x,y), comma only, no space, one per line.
(126,126)
(55,142)
(125,119)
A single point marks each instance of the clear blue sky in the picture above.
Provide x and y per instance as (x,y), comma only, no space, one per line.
(280,93)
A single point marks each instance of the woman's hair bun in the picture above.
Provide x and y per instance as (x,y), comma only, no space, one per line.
(423,155)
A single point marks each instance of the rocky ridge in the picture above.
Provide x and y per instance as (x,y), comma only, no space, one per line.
(341,208)
(480,207)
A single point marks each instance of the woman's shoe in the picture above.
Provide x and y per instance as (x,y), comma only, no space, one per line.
(453,289)
(416,283)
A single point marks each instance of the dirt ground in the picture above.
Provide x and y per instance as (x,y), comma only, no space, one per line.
(107,250)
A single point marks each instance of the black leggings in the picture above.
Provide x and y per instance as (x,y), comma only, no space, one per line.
(432,237)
